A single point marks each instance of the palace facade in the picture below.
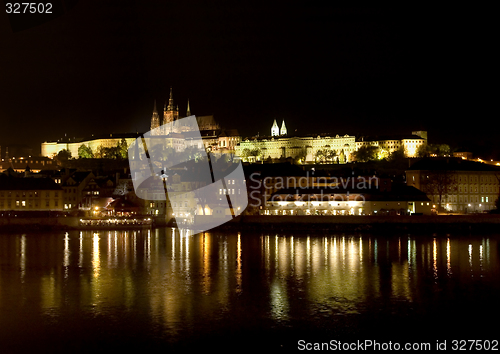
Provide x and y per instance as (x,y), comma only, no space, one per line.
(305,148)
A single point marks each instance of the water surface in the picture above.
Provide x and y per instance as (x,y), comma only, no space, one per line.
(112,290)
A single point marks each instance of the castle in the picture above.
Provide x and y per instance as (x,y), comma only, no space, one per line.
(279,144)
(214,137)
(332,148)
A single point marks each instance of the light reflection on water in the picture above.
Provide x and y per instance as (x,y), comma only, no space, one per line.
(179,283)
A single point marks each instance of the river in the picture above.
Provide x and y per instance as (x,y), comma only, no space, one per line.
(164,289)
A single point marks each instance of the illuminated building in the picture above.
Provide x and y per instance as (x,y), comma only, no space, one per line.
(337,200)
(389,144)
(305,148)
(34,164)
(30,194)
(465,186)
(214,138)
(298,147)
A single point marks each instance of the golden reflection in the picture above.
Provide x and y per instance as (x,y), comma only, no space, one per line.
(279,300)
(49,299)
(330,274)
(205,251)
(400,281)
(360,250)
(434,258)
(66,254)
(470,256)
(22,259)
(96,262)
(80,251)
(481,258)
(448,257)
(238,265)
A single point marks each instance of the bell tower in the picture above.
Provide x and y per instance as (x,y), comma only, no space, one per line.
(155,119)
(283,128)
(275,130)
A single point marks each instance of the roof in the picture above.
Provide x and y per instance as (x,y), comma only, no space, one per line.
(20,183)
(207,122)
(299,136)
(452,164)
(98,136)
(389,137)
(229,132)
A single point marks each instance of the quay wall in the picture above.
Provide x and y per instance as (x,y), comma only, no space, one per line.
(421,223)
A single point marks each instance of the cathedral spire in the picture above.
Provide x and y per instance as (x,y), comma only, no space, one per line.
(275,130)
(171,101)
(188,112)
(155,119)
(283,128)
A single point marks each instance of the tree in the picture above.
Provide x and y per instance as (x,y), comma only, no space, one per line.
(123,149)
(245,153)
(422,151)
(439,150)
(100,152)
(330,155)
(366,153)
(398,155)
(301,156)
(320,156)
(63,155)
(255,152)
(85,152)
(439,183)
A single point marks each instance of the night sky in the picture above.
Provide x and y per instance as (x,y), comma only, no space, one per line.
(98,67)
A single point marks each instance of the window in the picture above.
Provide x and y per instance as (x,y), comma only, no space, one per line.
(46,203)
(17,203)
(23,203)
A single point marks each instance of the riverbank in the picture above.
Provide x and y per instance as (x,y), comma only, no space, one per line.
(433,223)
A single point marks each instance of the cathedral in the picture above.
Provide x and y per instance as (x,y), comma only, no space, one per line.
(170,114)
(213,136)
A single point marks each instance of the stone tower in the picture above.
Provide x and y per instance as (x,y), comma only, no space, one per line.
(275,130)
(283,128)
(170,112)
(155,119)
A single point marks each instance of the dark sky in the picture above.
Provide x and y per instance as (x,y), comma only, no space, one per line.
(98,68)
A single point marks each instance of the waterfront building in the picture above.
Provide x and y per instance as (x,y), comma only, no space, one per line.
(76,191)
(30,194)
(459,185)
(371,199)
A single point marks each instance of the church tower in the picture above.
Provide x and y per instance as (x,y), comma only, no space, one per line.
(170,112)
(283,128)
(275,130)
(155,119)
(188,112)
